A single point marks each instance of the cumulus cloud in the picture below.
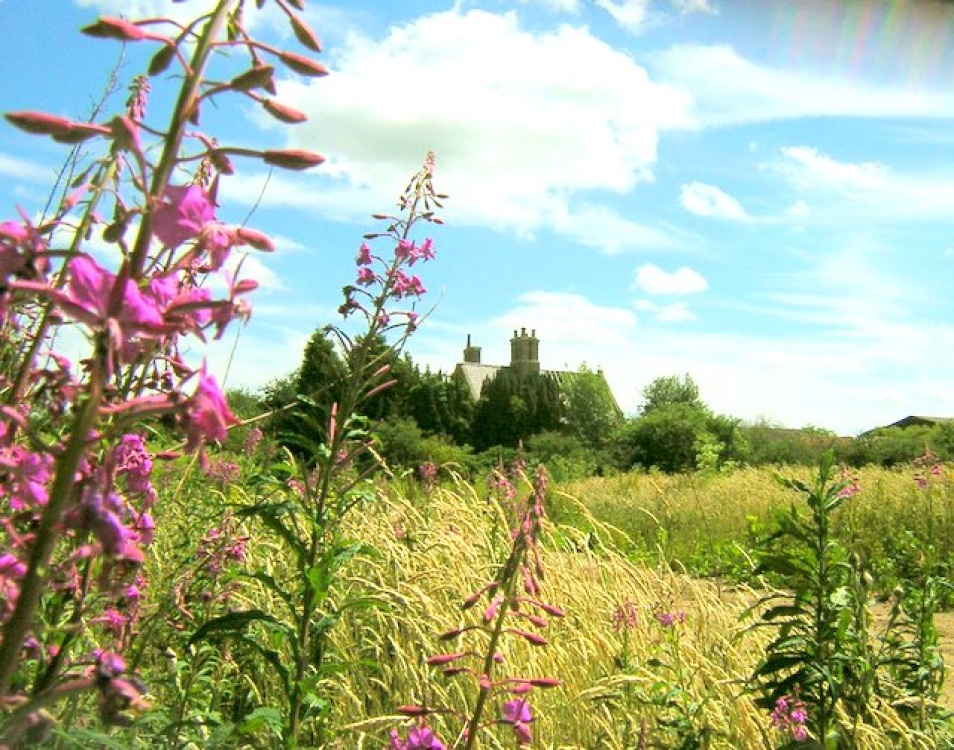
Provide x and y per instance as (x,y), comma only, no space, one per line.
(820,170)
(562,6)
(630,14)
(608,231)
(729,89)
(653,280)
(141,8)
(566,320)
(708,200)
(518,133)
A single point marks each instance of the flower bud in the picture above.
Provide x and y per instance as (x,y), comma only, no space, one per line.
(291,158)
(283,112)
(304,34)
(115,28)
(303,65)
(254,78)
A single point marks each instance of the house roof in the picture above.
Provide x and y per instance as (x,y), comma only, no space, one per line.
(475,375)
(919,421)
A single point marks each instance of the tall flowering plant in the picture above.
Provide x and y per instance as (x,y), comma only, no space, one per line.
(304,510)
(513,608)
(75,489)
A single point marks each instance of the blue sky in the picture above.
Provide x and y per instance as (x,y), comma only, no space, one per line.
(758,194)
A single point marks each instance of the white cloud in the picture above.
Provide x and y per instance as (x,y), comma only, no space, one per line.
(518,133)
(729,89)
(694,6)
(818,170)
(708,200)
(562,6)
(608,231)
(565,321)
(630,14)
(677,312)
(653,280)
(20,169)
(142,8)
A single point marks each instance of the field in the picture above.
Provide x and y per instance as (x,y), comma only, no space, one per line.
(175,576)
(618,556)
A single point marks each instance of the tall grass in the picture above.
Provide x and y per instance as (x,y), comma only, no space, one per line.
(704,522)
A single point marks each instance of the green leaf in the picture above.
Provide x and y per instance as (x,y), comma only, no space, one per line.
(232,623)
(273,515)
(261,718)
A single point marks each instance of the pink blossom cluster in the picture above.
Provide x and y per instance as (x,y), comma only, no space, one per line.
(75,474)
(625,615)
(790,715)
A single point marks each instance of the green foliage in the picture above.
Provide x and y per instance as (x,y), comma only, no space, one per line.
(590,411)
(402,444)
(892,446)
(513,406)
(822,651)
(769,444)
(670,390)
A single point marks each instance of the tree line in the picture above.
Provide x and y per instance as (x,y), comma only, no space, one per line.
(570,421)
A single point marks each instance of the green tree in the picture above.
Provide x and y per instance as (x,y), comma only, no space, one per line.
(668,390)
(675,431)
(513,407)
(590,410)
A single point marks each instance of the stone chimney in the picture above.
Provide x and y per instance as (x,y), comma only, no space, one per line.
(525,353)
(471,353)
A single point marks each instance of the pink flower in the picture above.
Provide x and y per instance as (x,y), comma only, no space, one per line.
(517,713)
(626,615)
(182,213)
(24,477)
(790,715)
(364,255)
(670,619)
(91,289)
(366,276)
(207,414)
(407,286)
(418,738)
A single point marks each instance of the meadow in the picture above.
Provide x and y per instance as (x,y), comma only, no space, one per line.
(173,576)
(649,653)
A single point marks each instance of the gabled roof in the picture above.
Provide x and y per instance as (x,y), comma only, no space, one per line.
(920,421)
(475,375)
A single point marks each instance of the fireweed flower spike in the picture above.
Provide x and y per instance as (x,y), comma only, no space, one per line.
(506,603)
(80,494)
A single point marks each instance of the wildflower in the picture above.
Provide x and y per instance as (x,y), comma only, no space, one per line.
(790,715)
(134,462)
(626,615)
(407,286)
(118,692)
(428,474)
(252,440)
(182,213)
(26,477)
(669,619)
(208,414)
(366,276)
(421,737)
(517,713)
(364,255)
